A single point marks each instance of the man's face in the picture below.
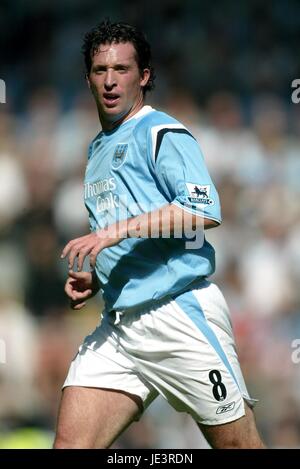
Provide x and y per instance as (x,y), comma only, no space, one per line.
(116,82)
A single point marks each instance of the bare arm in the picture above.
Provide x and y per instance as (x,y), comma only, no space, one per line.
(167,221)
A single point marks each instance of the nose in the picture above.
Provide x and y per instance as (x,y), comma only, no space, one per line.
(110,79)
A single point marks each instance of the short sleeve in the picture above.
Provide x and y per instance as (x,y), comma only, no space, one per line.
(182,173)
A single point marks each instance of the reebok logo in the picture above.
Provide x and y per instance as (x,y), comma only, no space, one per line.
(225,408)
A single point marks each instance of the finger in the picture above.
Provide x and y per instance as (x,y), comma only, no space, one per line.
(71,243)
(93,256)
(80,280)
(71,296)
(82,255)
(77,295)
(78,275)
(77,305)
(67,248)
(73,254)
(69,288)
(72,288)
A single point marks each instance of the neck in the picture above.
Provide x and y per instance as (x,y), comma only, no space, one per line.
(110,125)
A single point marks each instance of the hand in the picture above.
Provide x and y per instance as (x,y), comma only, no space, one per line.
(82,247)
(79,287)
(91,245)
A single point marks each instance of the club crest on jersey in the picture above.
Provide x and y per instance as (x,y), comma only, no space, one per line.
(119,155)
(199,194)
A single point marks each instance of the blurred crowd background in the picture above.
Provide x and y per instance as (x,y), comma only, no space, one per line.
(225,70)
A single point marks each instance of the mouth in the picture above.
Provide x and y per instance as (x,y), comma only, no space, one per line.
(110,99)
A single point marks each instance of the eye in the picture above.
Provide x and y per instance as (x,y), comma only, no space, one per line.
(99,70)
(122,69)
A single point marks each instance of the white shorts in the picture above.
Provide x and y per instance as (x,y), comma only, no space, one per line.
(182,348)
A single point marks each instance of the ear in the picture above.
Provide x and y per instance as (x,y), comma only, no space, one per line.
(88,80)
(145,77)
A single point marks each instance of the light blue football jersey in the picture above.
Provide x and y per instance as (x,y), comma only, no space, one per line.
(147,162)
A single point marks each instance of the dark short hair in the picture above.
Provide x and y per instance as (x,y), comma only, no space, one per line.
(107,32)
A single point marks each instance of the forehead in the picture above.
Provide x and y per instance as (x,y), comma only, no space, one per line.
(114,53)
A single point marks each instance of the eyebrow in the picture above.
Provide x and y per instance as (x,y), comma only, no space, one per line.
(104,66)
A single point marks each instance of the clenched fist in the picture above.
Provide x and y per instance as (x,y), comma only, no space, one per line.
(80,286)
